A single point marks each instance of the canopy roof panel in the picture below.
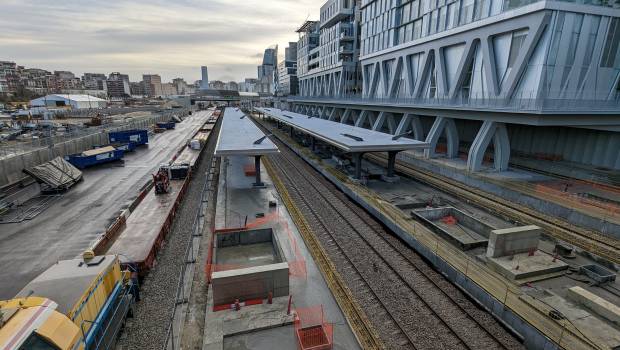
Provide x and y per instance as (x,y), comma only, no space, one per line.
(240,136)
(346,137)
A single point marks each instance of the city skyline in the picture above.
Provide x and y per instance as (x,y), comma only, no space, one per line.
(149,38)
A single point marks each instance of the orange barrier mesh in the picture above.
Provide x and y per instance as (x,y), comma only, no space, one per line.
(249,170)
(580,192)
(311,329)
(449,220)
(296,260)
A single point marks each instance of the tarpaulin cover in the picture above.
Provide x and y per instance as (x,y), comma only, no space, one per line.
(55,175)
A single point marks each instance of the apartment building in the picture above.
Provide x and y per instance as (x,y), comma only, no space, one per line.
(331,68)
(152,85)
(118,85)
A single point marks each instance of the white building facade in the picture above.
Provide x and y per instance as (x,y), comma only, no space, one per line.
(331,68)
(72,101)
(482,74)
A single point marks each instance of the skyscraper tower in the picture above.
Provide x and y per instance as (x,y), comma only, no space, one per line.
(204,84)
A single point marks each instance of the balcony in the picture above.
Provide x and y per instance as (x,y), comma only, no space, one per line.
(338,15)
(345,51)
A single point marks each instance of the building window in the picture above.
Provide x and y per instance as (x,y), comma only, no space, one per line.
(612,45)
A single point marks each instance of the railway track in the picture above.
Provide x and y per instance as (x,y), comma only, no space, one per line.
(409,304)
(590,241)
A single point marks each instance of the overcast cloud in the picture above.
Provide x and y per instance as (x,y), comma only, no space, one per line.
(172,38)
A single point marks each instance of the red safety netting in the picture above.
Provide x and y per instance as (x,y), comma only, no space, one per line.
(249,170)
(584,193)
(274,219)
(449,220)
(312,331)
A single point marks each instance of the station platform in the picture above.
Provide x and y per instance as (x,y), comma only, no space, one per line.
(242,207)
(520,300)
(587,204)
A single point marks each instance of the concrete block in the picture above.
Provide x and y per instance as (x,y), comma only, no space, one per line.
(250,283)
(595,303)
(514,240)
(525,268)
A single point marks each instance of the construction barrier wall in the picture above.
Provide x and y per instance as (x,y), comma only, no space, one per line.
(11,167)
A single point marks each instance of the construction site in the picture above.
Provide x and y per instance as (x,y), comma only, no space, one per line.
(264,228)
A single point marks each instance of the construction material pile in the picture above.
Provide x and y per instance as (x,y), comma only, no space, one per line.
(57,175)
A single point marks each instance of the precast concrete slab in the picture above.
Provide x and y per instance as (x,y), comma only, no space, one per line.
(527,267)
(248,319)
(464,230)
(592,326)
(243,206)
(514,240)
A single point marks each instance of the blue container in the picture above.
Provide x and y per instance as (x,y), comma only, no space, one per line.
(82,161)
(136,136)
(166,125)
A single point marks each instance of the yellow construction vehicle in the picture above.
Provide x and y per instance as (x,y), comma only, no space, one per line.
(75,304)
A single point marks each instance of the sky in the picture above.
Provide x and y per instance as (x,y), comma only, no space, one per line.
(172,38)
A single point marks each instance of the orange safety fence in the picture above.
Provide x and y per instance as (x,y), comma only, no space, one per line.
(296,260)
(449,220)
(312,331)
(249,170)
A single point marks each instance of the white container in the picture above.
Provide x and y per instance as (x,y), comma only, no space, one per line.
(194,144)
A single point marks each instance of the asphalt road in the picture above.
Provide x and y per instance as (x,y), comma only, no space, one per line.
(66,229)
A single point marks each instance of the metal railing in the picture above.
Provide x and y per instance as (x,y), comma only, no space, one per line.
(172,341)
(518,103)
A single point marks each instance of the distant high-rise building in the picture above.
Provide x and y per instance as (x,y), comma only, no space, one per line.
(286,82)
(204,83)
(152,85)
(94,81)
(267,71)
(118,85)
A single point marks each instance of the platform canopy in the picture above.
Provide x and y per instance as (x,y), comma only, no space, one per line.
(239,136)
(350,139)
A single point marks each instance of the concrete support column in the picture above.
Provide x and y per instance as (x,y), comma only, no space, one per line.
(411,122)
(440,126)
(324,114)
(312,143)
(497,132)
(357,159)
(332,115)
(345,116)
(361,118)
(292,131)
(391,162)
(258,183)
(378,124)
